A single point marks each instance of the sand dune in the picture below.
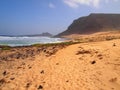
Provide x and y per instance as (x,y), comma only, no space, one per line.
(84,66)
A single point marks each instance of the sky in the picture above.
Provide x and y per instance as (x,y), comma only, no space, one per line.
(21,17)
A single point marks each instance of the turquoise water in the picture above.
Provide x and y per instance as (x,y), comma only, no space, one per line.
(24,41)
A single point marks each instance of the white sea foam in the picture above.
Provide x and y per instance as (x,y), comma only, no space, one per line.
(24,41)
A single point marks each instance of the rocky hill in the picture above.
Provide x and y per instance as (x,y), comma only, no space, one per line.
(93,23)
(46,34)
(42,34)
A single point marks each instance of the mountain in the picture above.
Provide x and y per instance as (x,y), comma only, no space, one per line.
(43,34)
(46,34)
(93,23)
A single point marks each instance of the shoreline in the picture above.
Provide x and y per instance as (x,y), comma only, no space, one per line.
(28,41)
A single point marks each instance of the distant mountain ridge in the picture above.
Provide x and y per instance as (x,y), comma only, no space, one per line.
(93,23)
(46,34)
(43,34)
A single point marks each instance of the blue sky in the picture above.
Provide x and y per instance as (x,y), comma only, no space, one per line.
(18,17)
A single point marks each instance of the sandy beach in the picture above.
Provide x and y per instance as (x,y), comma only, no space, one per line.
(82,66)
(59,44)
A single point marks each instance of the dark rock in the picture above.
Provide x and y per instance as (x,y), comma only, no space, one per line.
(93,62)
(100,56)
(113,79)
(28,85)
(19,67)
(40,87)
(114,44)
(4,58)
(4,73)
(42,72)
(30,67)
(12,78)
(83,52)
(43,82)
(57,63)
(67,81)
(44,50)
(2,81)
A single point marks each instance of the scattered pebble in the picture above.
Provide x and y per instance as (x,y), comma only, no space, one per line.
(12,78)
(100,57)
(19,67)
(112,88)
(2,81)
(83,52)
(28,85)
(57,63)
(40,87)
(114,44)
(23,63)
(4,73)
(113,79)
(44,50)
(44,82)
(93,62)
(42,72)
(67,81)
(30,67)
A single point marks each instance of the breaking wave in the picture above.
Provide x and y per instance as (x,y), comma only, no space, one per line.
(25,41)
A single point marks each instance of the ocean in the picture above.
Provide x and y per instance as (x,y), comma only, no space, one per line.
(25,41)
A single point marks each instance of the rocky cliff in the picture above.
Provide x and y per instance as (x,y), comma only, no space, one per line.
(93,23)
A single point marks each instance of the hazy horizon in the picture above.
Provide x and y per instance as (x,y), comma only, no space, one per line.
(24,17)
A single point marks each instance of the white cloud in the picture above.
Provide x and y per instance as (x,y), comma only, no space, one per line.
(92,3)
(51,5)
(71,3)
(76,3)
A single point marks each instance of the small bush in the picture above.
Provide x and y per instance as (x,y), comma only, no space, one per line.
(54,44)
(5,47)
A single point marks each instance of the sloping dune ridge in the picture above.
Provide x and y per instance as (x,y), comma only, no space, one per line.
(82,66)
